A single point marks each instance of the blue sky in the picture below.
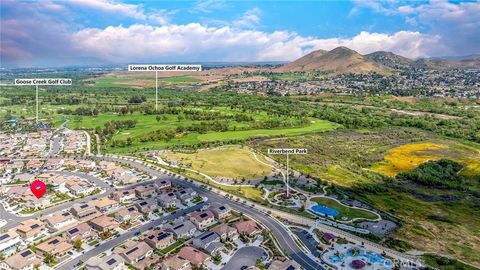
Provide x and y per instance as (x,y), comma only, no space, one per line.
(83,32)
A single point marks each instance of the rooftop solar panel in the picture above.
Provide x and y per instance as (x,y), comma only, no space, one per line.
(178,226)
(111,261)
(162,236)
(25,253)
(206,236)
(132,250)
(53,242)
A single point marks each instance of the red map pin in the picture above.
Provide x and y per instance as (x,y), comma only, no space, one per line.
(38,188)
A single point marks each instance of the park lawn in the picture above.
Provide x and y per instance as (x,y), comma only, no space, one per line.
(408,156)
(231,162)
(250,193)
(347,213)
(317,125)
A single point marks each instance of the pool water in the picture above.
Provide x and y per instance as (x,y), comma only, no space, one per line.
(325,210)
(361,254)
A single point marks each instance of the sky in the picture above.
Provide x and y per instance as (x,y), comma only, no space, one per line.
(51,33)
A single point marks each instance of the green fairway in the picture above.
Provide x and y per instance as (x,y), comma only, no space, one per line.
(346,213)
(316,126)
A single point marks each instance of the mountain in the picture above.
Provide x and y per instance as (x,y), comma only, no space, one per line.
(338,60)
(440,63)
(390,60)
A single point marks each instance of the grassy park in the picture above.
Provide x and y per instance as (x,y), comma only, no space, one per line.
(345,212)
(231,162)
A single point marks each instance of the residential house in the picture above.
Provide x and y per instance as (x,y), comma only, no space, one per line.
(161,184)
(81,232)
(83,210)
(30,228)
(80,187)
(159,239)
(56,246)
(146,206)
(133,251)
(23,260)
(9,241)
(104,223)
(220,211)
(124,196)
(144,191)
(248,228)
(209,241)
(226,232)
(202,219)
(34,165)
(176,263)
(127,214)
(186,195)
(194,256)
(104,204)
(184,229)
(59,220)
(167,200)
(111,262)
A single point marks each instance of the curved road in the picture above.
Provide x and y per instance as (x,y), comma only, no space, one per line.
(281,234)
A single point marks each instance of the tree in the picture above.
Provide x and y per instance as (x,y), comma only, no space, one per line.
(77,244)
(49,259)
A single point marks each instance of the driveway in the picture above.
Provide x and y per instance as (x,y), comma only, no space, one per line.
(245,256)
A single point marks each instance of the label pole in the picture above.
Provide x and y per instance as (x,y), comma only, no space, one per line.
(288,188)
(156,90)
(36,98)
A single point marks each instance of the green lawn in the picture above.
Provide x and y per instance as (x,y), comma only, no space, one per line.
(316,126)
(345,212)
(180,79)
(147,123)
(232,162)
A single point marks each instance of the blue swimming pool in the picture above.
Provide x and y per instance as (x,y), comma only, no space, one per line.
(322,209)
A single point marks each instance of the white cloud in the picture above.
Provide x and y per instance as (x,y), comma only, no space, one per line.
(457,25)
(249,19)
(130,10)
(453,30)
(208,6)
(195,42)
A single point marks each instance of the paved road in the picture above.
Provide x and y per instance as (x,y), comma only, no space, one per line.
(281,234)
(245,256)
(118,240)
(56,147)
(308,241)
